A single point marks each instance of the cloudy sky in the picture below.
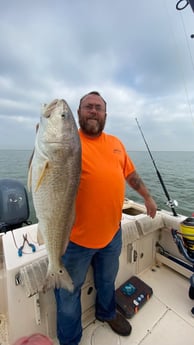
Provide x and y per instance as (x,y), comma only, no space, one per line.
(138,54)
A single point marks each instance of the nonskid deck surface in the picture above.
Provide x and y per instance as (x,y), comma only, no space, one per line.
(165,319)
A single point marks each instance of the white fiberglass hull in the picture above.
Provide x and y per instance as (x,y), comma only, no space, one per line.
(166,318)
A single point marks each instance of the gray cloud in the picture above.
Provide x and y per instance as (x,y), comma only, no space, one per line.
(139,55)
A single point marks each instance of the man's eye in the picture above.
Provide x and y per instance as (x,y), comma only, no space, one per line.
(96,107)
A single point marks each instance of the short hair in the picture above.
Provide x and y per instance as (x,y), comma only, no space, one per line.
(92,93)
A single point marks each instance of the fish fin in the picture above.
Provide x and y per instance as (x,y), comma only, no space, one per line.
(30,160)
(42,174)
(40,238)
(59,279)
(29,183)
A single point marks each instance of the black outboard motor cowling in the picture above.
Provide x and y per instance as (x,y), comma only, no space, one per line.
(14,206)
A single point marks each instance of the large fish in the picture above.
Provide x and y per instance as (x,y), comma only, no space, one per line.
(54,175)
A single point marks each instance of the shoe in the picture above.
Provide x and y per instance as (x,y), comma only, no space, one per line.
(191,292)
(119,324)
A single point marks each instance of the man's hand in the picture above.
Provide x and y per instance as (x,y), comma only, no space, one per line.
(150,206)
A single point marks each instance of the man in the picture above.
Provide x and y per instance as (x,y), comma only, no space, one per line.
(96,235)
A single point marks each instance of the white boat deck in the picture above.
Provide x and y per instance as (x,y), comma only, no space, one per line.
(165,319)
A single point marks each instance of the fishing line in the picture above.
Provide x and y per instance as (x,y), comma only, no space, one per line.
(192,64)
(171,203)
(182,73)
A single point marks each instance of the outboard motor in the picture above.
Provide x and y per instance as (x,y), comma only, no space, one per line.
(14,206)
(185,243)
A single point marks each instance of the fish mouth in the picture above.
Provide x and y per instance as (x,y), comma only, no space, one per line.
(59,143)
(54,143)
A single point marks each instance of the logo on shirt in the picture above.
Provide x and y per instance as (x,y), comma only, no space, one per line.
(117,151)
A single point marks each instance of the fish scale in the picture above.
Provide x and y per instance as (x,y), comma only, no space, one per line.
(54,176)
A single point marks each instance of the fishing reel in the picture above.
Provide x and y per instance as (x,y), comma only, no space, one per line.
(182,4)
(185,243)
(172,203)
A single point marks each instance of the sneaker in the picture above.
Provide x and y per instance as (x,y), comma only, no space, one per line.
(119,324)
(191,292)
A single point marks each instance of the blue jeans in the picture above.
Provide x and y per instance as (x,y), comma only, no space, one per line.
(105,262)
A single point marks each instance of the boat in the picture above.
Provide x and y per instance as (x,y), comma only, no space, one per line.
(156,268)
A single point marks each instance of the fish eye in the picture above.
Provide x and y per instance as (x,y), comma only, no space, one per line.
(47,115)
(63,115)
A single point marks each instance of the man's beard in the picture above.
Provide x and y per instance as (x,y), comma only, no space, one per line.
(92,126)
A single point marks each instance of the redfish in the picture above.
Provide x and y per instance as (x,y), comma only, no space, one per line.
(54,176)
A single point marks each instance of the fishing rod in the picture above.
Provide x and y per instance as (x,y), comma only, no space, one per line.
(171,203)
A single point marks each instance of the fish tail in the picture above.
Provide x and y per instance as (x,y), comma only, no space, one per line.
(58,279)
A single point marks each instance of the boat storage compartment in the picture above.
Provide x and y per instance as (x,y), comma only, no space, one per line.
(132,211)
(41,307)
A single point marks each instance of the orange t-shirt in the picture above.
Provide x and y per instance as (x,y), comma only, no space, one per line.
(105,165)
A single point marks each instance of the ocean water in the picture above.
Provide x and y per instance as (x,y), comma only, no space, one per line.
(177,172)
(175,168)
